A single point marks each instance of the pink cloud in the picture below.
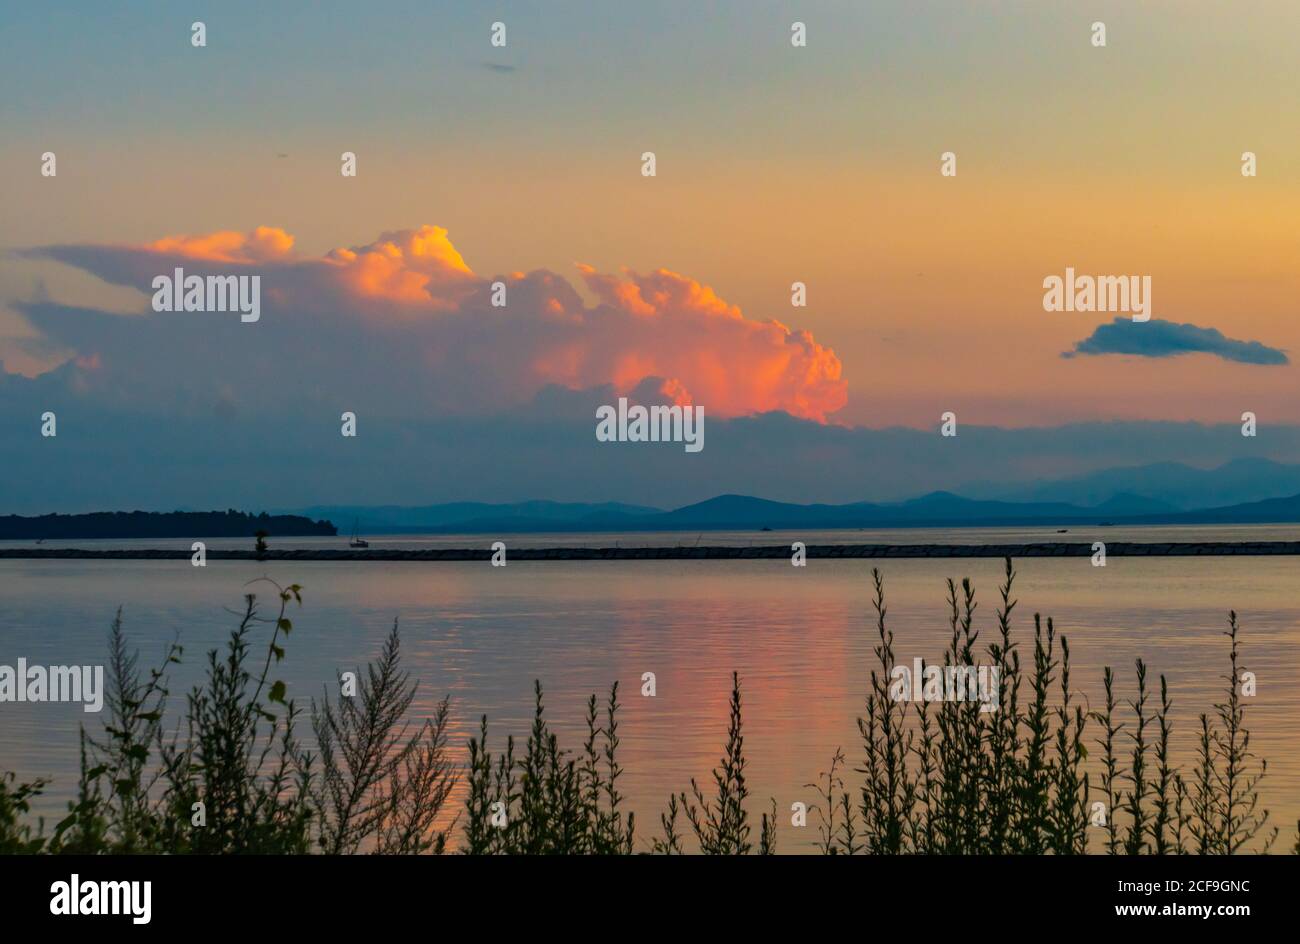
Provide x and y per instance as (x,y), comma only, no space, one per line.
(408,314)
(262,244)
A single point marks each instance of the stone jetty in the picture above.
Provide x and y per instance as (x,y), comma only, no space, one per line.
(710,552)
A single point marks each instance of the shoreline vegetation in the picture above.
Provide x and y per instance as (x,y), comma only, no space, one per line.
(154,524)
(1041,774)
(679,552)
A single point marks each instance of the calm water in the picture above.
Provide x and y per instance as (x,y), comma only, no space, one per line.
(1023,535)
(801,639)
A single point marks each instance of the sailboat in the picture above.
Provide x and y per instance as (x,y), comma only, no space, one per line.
(357,541)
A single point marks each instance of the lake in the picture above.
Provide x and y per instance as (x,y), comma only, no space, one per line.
(801,639)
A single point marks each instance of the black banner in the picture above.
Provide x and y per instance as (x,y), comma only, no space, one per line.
(356,894)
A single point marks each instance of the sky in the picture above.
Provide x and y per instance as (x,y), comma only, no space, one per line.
(523,164)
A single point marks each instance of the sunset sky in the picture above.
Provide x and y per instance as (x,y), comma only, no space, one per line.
(774,165)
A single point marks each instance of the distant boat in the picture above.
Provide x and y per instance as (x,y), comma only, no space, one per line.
(357,541)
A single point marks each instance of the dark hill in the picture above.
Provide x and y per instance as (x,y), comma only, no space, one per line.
(152,524)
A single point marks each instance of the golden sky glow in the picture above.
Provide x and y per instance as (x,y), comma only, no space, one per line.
(775,165)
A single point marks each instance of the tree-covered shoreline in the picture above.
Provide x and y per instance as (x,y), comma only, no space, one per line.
(156,524)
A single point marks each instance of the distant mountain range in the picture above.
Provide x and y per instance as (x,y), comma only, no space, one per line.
(938,509)
(743,512)
(1172,484)
(1244,491)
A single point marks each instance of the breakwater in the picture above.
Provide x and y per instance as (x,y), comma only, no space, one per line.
(755,552)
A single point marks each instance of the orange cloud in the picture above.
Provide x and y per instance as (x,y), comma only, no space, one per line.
(707,348)
(262,244)
(410,303)
(661,291)
(407,266)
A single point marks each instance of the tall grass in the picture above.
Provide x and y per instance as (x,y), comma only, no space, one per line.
(950,778)
(234,777)
(548,801)
(942,777)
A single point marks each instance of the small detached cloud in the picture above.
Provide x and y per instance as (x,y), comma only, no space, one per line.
(1159,338)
